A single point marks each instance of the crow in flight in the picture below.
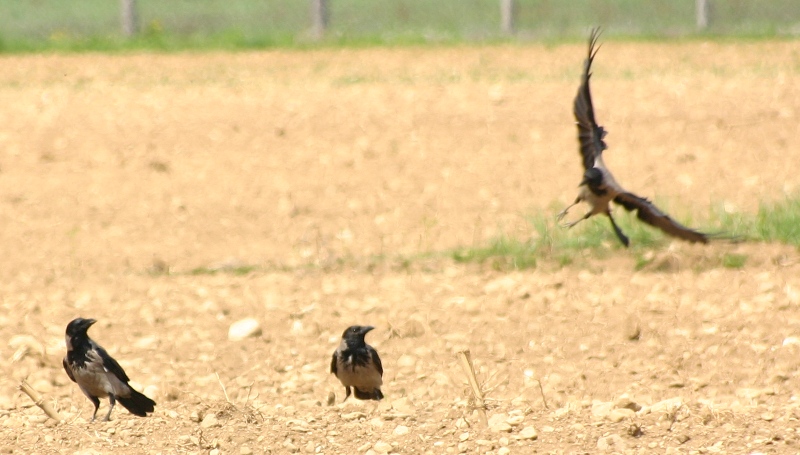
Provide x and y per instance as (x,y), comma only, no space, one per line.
(357,365)
(598,187)
(98,374)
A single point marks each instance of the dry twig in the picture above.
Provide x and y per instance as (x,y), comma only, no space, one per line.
(225,392)
(480,403)
(39,401)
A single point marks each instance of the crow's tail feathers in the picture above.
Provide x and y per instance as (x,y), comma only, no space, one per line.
(137,403)
(373,395)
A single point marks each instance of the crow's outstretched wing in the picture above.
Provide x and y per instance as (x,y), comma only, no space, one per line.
(650,214)
(590,135)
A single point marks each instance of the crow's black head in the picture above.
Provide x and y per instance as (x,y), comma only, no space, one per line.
(356,333)
(593,177)
(79,326)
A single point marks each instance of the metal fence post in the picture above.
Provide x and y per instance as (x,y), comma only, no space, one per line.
(703,11)
(319,18)
(507,10)
(128,17)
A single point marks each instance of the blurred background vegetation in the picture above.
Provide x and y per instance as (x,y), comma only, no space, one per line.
(36,25)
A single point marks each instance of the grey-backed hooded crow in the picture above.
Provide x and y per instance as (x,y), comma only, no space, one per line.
(98,374)
(357,365)
(598,187)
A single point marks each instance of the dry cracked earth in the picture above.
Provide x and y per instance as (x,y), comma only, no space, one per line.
(169,196)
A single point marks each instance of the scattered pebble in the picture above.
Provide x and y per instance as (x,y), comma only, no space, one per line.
(618,415)
(406,361)
(244,328)
(611,443)
(382,447)
(501,427)
(625,402)
(515,420)
(528,433)
(601,409)
(353,415)
(210,421)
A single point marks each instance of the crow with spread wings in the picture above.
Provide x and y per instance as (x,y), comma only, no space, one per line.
(598,187)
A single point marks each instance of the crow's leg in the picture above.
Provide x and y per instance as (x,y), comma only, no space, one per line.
(622,238)
(96,403)
(112,400)
(563,213)
(569,225)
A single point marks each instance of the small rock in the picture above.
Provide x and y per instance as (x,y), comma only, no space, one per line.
(768,416)
(406,361)
(682,438)
(528,433)
(244,450)
(503,451)
(194,417)
(495,419)
(244,328)
(667,405)
(625,402)
(515,420)
(310,447)
(501,427)
(611,443)
(618,415)
(463,436)
(401,430)
(791,341)
(353,415)
(210,421)
(602,409)
(376,422)
(382,447)
(146,343)
(288,445)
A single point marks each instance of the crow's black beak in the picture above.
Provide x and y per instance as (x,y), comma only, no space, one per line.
(88,323)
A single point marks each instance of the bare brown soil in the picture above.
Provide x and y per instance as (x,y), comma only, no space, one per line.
(119,175)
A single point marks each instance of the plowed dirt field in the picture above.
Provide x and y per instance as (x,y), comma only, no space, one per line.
(169,196)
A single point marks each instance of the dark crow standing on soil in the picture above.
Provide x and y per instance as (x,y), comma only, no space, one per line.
(357,365)
(98,375)
(598,187)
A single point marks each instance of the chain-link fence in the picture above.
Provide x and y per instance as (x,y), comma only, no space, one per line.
(264,22)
